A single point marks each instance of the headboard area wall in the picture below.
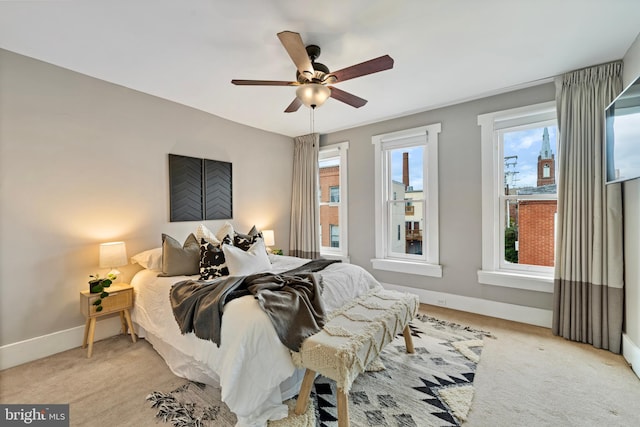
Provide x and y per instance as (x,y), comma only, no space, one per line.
(84,162)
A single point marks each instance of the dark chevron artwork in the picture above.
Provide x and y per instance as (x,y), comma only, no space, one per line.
(199,189)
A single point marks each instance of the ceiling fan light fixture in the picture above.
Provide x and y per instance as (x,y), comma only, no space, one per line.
(313,94)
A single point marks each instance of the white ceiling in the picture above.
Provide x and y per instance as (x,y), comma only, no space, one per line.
(445,51)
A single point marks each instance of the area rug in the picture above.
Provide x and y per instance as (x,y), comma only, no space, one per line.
(431,387)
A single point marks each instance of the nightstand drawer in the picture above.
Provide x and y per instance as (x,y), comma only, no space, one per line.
(116,301)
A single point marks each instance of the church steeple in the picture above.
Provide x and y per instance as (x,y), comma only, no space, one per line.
(545,149)
(546,162)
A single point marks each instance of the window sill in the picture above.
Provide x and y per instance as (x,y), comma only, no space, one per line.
(409,267)
(516,280)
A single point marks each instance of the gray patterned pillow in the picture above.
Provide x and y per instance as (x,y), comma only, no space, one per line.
(212,261)
(244,241)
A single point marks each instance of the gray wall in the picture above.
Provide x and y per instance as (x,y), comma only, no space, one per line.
(83,161)
(631,200)
(459,193)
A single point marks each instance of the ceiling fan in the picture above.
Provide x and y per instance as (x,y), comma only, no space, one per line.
(314,79)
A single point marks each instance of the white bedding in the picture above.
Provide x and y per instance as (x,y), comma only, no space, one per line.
(251,364)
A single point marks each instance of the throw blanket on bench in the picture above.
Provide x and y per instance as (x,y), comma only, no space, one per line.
(291,299)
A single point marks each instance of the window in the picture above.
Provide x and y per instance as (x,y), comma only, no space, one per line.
(334,194)
(519,197)
(335,236)
(332,165)
(406,201)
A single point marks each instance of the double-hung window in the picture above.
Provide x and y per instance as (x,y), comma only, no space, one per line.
(519,197)
(332,193)
(406,201)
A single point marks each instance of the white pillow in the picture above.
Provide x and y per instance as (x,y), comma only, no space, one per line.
(225,230)
(151,259)
(242,263)
(202,232)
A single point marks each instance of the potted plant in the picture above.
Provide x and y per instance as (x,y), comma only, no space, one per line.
(99,285)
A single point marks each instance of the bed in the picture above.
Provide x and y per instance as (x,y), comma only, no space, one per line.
(252,367)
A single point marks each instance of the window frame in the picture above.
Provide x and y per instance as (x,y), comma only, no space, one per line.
(337,150)
(496,271)
(427,264)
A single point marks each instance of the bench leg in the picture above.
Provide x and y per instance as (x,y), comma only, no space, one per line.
(305,391)
(343,408)
(408,341)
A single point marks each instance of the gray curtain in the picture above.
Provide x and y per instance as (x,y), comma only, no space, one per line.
(588,287)
(305,233)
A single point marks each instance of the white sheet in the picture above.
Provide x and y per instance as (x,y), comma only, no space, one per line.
(251,363)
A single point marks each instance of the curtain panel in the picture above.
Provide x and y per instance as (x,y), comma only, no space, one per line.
(588,300)
(305,211)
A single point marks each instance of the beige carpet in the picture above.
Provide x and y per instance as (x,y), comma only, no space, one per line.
(526,377)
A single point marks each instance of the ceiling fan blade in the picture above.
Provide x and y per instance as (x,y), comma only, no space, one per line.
(347,97)
(294,46)
(368,67)
(293,107)
(263,83)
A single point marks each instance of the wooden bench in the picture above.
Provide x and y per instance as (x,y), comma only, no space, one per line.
(354,336)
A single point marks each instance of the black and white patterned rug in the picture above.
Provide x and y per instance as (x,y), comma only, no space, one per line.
(431,387)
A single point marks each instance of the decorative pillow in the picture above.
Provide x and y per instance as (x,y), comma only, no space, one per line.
(242,263)
(225,230)
(179,260)
(202,232)
(212,260)
(151,259)
(244,241)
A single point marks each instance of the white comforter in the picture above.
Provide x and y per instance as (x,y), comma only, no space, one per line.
(251,362)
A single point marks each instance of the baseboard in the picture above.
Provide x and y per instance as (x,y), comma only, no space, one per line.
(631,353)
(36,348)
(501,310)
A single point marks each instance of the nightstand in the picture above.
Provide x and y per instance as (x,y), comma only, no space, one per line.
(120,300)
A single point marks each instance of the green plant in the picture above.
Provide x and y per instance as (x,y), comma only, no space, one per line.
(510,238)
(99,285)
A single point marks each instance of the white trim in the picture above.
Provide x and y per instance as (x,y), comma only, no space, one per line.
(631,353)
(492,163)
(409,267)
(501,310)
(516,280)
(46,345)
(427,135)
(339,149)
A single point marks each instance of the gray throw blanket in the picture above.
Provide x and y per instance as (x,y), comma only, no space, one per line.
(291,299)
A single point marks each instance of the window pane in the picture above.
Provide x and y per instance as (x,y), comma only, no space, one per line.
(329,194)
(530,160)
(334,194)
(335,236)
(406,170)
(530,169)
(530,232)
(407,226)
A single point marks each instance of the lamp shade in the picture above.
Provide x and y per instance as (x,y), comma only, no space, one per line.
(313,94)
(269,239)
(113,254)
